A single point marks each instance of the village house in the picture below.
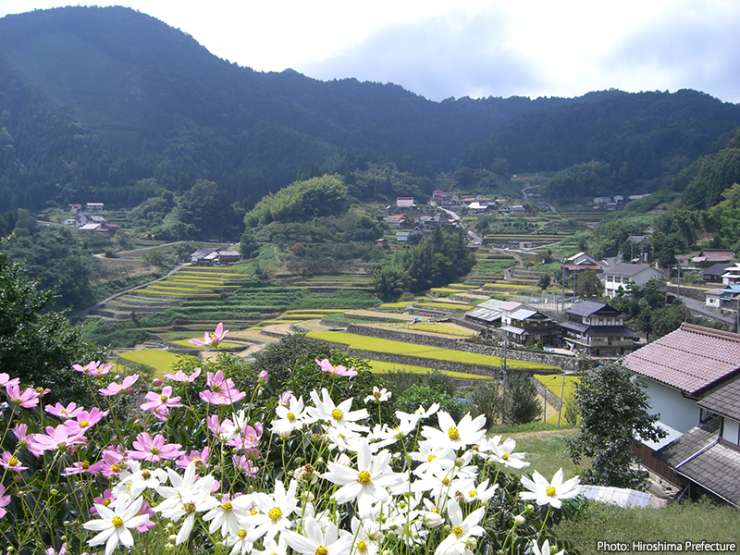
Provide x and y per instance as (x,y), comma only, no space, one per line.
(579,262)
(490,312)
(640,248)
(621,275)
(215,257)
(714,272)
(527,326)
(405,203)
(732,275)
(722,297)
(597,330)
(94,206)
(707,257)
(692,380)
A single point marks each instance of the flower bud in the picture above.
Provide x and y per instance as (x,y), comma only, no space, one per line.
(519,520)
(528,508)
(172,538)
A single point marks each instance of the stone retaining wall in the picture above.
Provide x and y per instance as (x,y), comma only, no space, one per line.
(566,363)
(551,398)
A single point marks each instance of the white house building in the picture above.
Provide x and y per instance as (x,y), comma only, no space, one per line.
(732,275)
(621,275)
(692,379)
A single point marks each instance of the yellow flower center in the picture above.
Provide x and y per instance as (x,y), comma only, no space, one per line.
(226,506)
(431,457)
(146,474)
(13,461)
(115,468)
(290,416)
(453,434)
(364,477)
(242,533)
(155,451)
(84,423)
(275,514)
(163,397)
(106,502)
(321,550)
(445,481)
(376,394)
(252,511)
(472,493)
(550,491)
(117,521)
(361,546)
(337,414)
(458,531)
(505,456)
(85,465)
(188,507)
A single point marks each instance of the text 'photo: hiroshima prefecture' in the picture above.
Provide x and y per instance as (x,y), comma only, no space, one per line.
(418,277)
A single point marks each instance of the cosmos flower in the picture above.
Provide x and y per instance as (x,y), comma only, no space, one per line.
(378,395)
(338,370)
(28,398)
(94,368)
(549,493)
(468,431)
(114,525)
(181,376)
(154,449)
(222,390)
(213,338)
(115,388)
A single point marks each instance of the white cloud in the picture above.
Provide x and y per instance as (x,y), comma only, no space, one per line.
(445,48)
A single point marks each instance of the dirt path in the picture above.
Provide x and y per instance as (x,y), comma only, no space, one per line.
(527,435)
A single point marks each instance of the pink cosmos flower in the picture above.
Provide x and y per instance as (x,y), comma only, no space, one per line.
(62,550)
(181,376)
(11,462)
(80,467)
(338,370)
(27,399)
(160,403)
(213,338)
(154,449)
(21,433)
(84,420)
(222,392)
(70,411)
(104,499)
(94,368)
(112,462)
(194,455)
(285,398)
(147,524)
(245,464)
(115,388)
(263,376)
(248,439)
(5,380)
(60,437)
(4,501)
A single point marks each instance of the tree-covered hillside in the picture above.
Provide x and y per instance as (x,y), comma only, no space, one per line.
(87,111)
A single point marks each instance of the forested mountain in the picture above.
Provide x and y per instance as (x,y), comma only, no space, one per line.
(92,100)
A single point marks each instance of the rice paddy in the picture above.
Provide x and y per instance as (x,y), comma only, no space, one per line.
(382,367)
(559,384)
(160,362)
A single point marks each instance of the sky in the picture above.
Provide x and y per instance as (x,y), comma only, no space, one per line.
(455,48)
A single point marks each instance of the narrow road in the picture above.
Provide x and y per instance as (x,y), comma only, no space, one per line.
(701,309)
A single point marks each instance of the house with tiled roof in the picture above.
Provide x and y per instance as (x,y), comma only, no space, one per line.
(621,276)
(692,379)
(597,329)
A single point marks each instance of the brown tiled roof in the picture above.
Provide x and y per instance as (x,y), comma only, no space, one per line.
(692,358)
(724,400)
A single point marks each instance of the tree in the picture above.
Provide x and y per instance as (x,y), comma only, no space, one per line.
(248,246)
(544,281)
(588,284)
(523,405)
(614,411)
(389,282)
(39,345)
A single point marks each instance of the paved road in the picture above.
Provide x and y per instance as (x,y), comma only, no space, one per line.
(698,307)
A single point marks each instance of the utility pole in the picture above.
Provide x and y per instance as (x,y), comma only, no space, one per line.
(562,398)
(505,373)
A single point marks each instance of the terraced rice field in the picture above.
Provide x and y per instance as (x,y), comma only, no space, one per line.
(382,367)
(185,343)
(161,362)
(378,345)
(554,383)
(441,328)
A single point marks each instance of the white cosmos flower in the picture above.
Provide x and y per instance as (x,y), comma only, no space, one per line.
(412,419)
(368,483)
(468,431)
(461,529)
(339,416)
(134,481)
(503,453)
(273,548)
(365,540)
(187,496)
(545,549)
(549,493)
(319,538)
(480,493)
(229,514)
(379,395)
(431,458)
(239,542)
(275,511)
(290,418)
(343,439)
(432,515)
(113,525)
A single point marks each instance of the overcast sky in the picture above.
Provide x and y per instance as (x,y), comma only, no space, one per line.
(443,48)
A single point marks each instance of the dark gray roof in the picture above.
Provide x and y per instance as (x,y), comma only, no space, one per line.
(724,400)
(716,469)
(586,308)
(694,440)
(626,269)
(716,269)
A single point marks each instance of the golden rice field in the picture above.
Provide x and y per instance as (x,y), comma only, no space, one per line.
(382,367)
(161,362)
(554,382)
